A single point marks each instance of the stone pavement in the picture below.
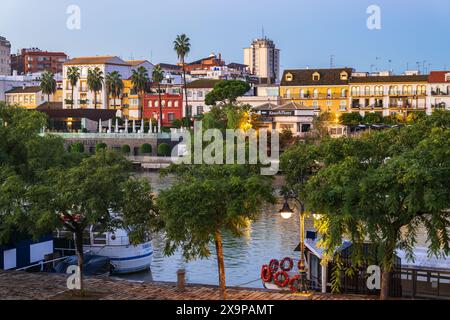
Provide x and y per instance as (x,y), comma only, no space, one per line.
(15,285)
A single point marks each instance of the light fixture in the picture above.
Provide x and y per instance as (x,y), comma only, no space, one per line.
(286,212)
(317,216)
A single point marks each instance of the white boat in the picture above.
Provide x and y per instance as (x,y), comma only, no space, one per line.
(125,257)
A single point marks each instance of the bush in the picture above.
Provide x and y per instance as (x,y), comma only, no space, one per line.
(76,147)
(100,146)
(146,148)
(125,149)
(373,118)
(164,150)
(351,119)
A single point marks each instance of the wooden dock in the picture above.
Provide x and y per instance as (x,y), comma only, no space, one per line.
(16,285)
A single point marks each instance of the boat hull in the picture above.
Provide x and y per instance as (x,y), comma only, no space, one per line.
(126,259)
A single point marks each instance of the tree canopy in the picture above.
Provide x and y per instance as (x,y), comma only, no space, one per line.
(227,91)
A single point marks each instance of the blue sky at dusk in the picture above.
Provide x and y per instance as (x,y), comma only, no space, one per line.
(306,31)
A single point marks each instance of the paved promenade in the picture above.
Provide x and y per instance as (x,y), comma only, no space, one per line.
(16,285)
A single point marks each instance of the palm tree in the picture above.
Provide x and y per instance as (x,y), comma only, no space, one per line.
(48,85)
(73,74)
(182,46)
(95,82)
(139,81)
(114,86)
(158,77)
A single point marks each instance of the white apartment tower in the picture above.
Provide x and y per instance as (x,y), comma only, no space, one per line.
(5,57)
(263,60)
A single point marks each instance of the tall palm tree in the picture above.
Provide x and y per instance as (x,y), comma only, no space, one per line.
(182,46)
(139,81)
(114,86)
(95,82)
(158,77)
(48,85)
(73,74)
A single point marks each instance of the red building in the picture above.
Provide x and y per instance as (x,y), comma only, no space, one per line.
(35,60)
(172,107)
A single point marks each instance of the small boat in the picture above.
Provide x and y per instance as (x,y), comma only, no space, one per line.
(115,245)
(92,266)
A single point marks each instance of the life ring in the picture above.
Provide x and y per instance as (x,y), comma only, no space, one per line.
(294,283)
(266,273)
(285,261)
(274,265)
(281,279)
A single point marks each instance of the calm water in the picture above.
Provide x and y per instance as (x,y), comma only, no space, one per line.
(268,237)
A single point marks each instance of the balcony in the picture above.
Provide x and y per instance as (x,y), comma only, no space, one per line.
(440,93)
(315,97)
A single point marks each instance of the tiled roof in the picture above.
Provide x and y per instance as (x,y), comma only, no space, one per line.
(97,60)
(293,106)
(91,114)
(169,66)
(135,63)
(304,77)
(202,83)
(266,106)
(376,79)
(438,76)
(50,106)
(33,89)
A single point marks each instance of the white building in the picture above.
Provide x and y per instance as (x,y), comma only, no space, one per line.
(260,95)
(83,97)
(5,57)
(196,92)
(263,60)
(9,82)
(438,94)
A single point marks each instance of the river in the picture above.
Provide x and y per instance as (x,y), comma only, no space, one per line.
(268,237)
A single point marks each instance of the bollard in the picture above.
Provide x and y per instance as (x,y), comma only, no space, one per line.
(181,280)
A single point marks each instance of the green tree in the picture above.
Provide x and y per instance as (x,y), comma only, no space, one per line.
(114,86)
(139,81)
(48,85)
(95,82)
(195,216)
(182,46)
(164,150)
(227,92)
(351,119)
(73,75)
(100,147)
(77,147)
(373,118)
(382,187)
(158,77)
(146,148)
(125,149)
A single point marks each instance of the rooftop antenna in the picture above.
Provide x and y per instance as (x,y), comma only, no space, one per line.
(262,32)
(332,61)
(390,65)
(418,66)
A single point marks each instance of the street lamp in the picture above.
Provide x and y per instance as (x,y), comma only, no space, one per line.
(286,213)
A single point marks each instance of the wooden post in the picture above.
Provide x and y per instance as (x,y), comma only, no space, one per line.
(324,277)
(181,280)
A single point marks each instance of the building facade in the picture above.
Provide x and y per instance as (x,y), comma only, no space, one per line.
(5,57)
(263,60)
(35,60)
(324,90)
(83,97)
(388,94)
(26,97)
(438,90)
(172,107)
(196,92)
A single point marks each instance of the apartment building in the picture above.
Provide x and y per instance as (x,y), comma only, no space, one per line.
(263,60)
(34,60)
(438,90)
(5,57)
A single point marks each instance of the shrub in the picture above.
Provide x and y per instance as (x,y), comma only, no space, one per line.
(164,150)
(125,149)
(373,118)
(100,146)
(146,148)
(76,147)
(351,119)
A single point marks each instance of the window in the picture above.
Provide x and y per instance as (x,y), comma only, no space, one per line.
(289,77)
(176,104)
(329,93)
(344,93)
(288,93)
(367,91)
(200,94)
(169,104)
(355,91)
(316,76)
(379,90)
(156,104)
(189,94)
(199,109)
(343,105)
(447,77)
(316,93)
(344,75)
(302,93)
(163,103)
(171,116)
(329,103)
(316,104)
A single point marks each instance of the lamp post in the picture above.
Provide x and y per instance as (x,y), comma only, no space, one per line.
(286,212)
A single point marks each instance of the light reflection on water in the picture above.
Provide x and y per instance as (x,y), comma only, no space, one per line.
(268,237)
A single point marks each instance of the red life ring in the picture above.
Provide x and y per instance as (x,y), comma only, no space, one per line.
(294,283)
(266,273)
(290,265)
(281,279)
(274,265)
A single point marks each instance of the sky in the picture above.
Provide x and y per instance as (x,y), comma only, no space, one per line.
(308,32)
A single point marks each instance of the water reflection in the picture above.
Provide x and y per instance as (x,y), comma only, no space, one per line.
(268,237)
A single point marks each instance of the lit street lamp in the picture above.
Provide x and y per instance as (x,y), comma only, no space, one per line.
(286,212)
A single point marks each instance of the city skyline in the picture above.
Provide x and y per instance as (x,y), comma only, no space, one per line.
(321,34)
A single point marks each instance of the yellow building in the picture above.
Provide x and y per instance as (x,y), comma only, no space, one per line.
(130,101)
(26,97)
(325,90)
